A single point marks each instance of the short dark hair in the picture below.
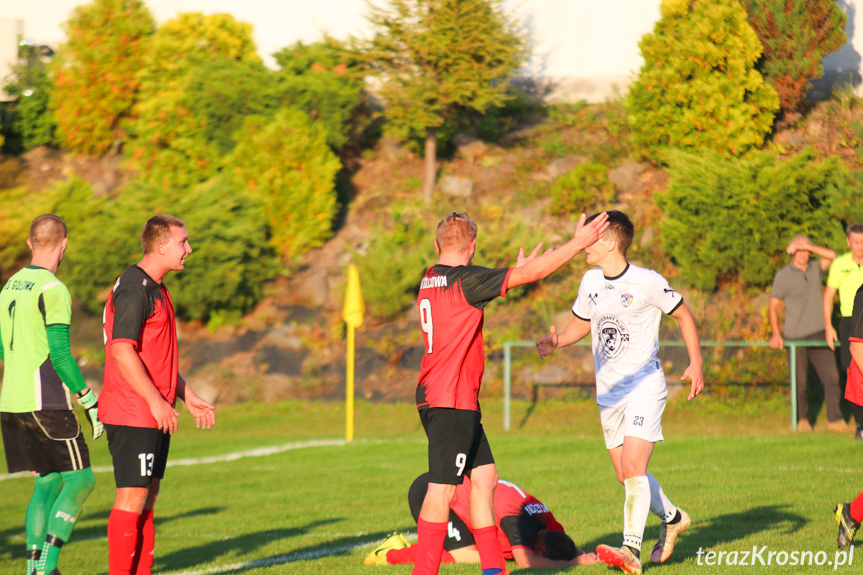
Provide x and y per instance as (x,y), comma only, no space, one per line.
(620,228)
(47,231)
(158,230)
(557,545)
(854,229)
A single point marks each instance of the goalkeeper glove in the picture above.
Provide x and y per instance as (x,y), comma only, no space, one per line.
(91,408)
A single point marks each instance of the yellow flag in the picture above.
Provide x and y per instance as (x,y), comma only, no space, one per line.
(355,308)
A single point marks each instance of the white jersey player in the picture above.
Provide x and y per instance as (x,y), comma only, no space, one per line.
(620,305)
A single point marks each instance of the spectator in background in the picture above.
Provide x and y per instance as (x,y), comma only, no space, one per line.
(798,287)
(846,276)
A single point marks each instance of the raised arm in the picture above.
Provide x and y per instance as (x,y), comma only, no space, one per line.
(534,268)
(826,254)
(575,330)
(694,372)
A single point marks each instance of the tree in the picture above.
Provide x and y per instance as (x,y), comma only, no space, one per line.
(326,81)
(437,57)
(170,145)
(31,86)
(698,87)
(96,70)
(796,35)
(285,162)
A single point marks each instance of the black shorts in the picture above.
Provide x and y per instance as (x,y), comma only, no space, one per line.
(44,441)
(458,536)
(139,454)
(457,443)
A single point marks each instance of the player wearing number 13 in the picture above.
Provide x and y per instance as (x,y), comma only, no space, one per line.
(451,300)
(141,387)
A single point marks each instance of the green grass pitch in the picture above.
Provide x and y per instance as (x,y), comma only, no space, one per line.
(309,509)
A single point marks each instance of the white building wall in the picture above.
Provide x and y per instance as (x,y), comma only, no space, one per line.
(9,32)
(584,46)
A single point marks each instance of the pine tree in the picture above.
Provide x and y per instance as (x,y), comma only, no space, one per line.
(796,35)
(698,87)
(437,57)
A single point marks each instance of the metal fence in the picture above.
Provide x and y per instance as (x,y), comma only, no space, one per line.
(791,345)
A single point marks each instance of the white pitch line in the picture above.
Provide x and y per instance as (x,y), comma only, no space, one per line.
(257,452)
(281,559)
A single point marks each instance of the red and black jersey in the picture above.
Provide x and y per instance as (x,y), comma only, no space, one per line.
(520,515)
(451,302)
(854,387)
(139,311)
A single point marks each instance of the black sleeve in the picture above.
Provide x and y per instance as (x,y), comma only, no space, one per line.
(521,530)
(481,285)
(856,330)
(132,307)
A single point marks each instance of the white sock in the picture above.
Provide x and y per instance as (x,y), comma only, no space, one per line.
(635,510)
(659,503)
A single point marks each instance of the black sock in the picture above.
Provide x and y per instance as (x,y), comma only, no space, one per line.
(676,519)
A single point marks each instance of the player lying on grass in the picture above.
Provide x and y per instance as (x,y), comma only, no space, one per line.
(619,305)
(528,531)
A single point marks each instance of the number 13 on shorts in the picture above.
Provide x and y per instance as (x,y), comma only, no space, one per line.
(146,463)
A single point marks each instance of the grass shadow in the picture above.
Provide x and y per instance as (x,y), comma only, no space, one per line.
(340,546)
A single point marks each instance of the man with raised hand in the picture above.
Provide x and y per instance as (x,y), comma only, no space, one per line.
(451,300)
(40,431)
(142,383)
(620,306)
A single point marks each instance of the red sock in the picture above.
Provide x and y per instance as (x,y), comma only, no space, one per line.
(857,509)
(122,540)
(488,545)
(143,564)
(408,555)
(429,547)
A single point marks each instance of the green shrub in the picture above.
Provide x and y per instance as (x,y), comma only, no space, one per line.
(169,145)
(33,122)
(733,219)
(581,190)
(284,161)
(325,81)
(698,87)
(796,35)
(393,266)
(226,272)
(18,207)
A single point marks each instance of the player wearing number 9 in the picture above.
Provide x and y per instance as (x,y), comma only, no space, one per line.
(451,300)
(40,431)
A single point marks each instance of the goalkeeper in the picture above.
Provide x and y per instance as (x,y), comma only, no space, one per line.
(40,431)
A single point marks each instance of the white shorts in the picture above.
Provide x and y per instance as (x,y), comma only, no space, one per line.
(638,417)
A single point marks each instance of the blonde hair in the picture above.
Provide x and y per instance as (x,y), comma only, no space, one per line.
(455,232)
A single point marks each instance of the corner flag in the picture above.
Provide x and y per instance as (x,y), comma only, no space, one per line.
(352,313)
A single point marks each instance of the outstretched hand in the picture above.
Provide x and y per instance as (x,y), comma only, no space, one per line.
(588,234)
(546,345)
(524,260)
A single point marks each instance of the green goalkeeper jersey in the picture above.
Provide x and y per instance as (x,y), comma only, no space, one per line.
(32,301)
